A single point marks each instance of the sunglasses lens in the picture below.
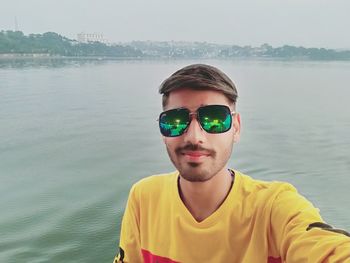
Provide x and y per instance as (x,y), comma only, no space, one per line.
(173,123)
(215,118)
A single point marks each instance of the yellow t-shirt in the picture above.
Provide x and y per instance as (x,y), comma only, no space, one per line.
(258,222)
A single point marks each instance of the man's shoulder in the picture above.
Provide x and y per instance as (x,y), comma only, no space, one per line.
(255,186)
(267,195)
(155,183)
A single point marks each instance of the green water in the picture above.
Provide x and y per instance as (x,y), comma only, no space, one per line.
(75,136)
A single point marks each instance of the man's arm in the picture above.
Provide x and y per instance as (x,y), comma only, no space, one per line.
(129,245)
(300,235)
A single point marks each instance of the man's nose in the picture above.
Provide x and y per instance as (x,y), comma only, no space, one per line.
(194,133)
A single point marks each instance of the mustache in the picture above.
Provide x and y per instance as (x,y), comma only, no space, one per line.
(194,147)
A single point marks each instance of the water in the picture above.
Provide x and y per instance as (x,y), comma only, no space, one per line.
(74,136)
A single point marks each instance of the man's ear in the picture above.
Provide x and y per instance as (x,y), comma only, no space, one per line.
(236,127)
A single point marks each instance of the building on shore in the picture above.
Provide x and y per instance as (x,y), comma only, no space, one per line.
(91,37)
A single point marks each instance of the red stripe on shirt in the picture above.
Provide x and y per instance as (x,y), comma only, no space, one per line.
(274,260)
(148,257)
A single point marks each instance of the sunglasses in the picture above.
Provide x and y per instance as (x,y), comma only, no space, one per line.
(212,118)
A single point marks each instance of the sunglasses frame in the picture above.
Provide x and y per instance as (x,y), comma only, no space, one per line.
(197,117)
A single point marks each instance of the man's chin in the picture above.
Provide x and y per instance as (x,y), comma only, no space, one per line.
(194,178)
(193,174)
(194,164)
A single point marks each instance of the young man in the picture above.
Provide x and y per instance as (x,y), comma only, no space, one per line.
(205,212)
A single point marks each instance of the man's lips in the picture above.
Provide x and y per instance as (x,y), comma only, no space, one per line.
(195,153)
(195,156)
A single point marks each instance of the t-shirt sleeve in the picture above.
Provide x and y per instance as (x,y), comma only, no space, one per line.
(129,245)
(300,235)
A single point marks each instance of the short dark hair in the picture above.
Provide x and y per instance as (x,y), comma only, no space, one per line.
(199,77)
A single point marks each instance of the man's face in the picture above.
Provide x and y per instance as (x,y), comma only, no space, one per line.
(196,154)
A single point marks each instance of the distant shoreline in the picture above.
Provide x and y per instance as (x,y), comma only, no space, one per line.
(50,45)
(43,57)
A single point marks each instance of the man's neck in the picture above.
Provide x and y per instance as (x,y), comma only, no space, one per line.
(203,198)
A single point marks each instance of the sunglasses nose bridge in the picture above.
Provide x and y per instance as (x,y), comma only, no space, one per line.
(194,115)
(194,120)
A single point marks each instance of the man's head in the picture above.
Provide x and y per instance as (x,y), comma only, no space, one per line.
(199,77)
(199,125)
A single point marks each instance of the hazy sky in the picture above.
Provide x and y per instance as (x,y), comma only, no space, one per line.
(310,23)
